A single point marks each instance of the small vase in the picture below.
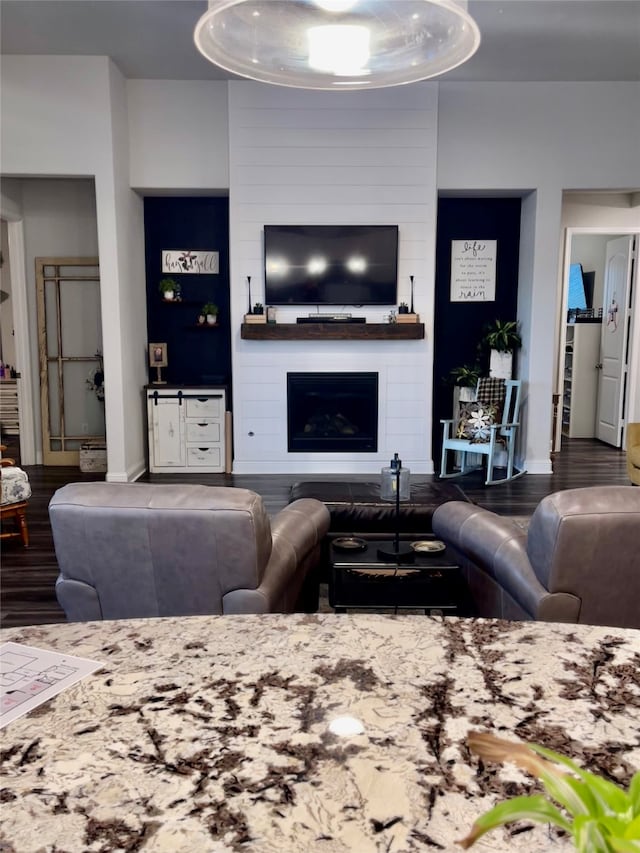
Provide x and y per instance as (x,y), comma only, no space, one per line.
(212,319)
(168,295)
(201,319)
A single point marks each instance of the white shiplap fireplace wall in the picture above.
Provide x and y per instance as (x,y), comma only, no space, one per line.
(300,157)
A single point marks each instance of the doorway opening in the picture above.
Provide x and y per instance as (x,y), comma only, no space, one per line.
(598,342)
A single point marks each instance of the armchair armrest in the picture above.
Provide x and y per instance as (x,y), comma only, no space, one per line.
(296,533)
(494,545)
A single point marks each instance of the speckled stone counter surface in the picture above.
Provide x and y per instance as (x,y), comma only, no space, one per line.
(211,733)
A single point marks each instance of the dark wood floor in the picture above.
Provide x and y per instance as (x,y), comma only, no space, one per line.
(28,576)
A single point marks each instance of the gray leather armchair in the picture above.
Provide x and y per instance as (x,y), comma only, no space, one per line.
(579,561)
(128,550)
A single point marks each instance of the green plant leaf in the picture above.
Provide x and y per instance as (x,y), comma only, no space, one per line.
(620,845)
(632,830)
(589,836)
(570,793)
(535,808)
(634,794)
(611,797)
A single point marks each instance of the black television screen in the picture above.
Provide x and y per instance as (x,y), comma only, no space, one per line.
(331,264)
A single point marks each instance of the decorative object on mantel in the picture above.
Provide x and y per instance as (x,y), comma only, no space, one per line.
(411,310)
(249,293)
(403,308)
(395,486)
(408,318)
(158,359)
(210,311)
(501,338)
(170,289)
(337,45)
(256,315)
(271,314)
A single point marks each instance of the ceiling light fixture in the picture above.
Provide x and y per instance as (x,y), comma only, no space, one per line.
(337,44)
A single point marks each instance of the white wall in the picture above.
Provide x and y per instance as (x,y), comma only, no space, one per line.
(547,137)
(317,158)
(314,157)
(66,116)
(178,135)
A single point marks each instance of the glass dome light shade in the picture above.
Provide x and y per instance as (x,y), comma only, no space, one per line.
(269,40)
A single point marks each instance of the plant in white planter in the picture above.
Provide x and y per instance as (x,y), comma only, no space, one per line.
(210,311)
(464,379)
(501,338)
(169,288)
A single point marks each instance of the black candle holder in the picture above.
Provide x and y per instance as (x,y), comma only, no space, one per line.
(397,551)
(411,311)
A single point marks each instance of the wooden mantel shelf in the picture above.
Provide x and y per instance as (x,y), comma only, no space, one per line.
(332,331)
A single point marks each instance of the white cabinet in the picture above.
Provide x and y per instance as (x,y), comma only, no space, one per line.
(186,429)
(580,396)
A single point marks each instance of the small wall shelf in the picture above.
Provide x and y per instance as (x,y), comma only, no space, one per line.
(332,331)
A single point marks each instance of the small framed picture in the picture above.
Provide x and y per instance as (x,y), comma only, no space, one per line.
(158,355)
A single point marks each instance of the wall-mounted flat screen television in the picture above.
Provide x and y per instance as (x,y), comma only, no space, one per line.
(331,264)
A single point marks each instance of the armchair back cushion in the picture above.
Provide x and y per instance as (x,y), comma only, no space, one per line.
(136,549)
(586,542)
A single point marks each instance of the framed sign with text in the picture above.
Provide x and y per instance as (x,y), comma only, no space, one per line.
(473,270)
(189,261)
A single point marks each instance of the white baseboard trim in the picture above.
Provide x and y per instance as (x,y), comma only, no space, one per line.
(130,476)
(538,466)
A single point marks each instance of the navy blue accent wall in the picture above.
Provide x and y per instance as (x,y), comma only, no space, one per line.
(196,355)
(458,326)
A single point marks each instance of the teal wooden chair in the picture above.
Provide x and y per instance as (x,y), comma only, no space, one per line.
(488,430)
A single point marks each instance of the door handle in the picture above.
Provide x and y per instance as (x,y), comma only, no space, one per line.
(599,366)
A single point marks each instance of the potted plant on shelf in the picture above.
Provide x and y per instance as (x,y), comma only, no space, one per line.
(403,308)
(210,311)
(258,308)
(501,338)
(170,289)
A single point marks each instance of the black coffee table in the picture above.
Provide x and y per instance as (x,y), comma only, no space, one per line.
(361,580)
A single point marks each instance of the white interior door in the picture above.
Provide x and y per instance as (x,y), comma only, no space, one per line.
(616,317)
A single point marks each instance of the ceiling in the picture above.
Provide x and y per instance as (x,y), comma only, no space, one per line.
(153,39)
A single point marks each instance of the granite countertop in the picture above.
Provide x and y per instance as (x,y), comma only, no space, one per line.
(211,733)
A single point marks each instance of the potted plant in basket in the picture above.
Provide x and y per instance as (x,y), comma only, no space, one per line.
(210,311)
(501,338)
(169,288)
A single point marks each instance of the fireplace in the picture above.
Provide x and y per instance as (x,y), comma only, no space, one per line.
(332,412)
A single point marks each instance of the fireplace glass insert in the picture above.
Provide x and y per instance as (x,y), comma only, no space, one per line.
(332,412)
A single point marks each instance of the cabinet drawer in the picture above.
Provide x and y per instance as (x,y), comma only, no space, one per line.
(201,456)
(206,432)
(205,407)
